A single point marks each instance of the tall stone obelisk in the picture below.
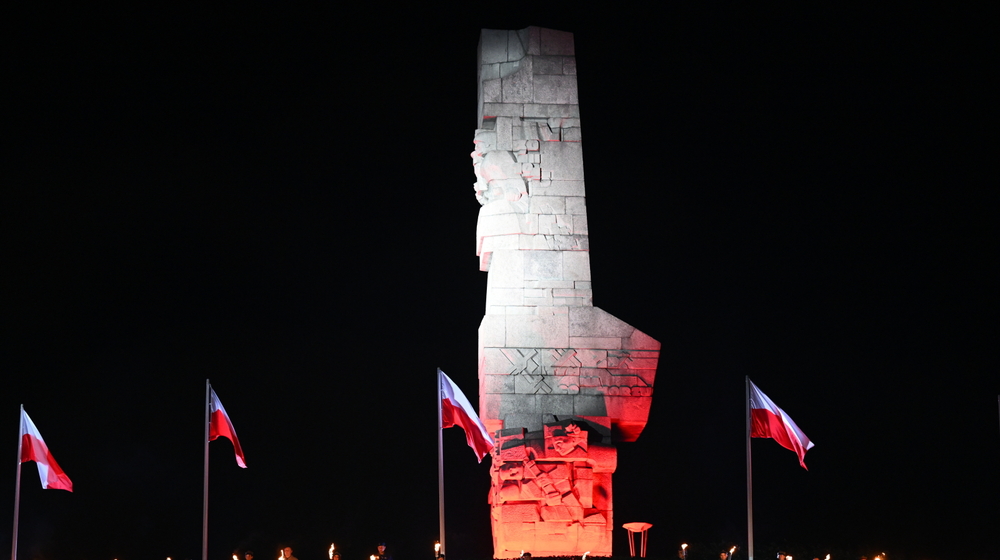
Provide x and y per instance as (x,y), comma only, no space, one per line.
(560,381)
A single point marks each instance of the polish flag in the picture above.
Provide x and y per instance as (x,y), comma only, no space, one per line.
(33,448)
(219,424)
(769,421)
(457,411)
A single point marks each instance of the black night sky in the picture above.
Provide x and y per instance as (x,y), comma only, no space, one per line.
(281,201)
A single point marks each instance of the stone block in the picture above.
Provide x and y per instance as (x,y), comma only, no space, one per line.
(580,224)
(557,470)
(508,68)
(589,405)
(505,296)
(550,284)
(503,129)
(537,331)
(509,272)
(603,500)
(556,513)
(564,160)
(532,37)
(491,91)
(547,205)
(543,265)
(576,266)
(563,486)
(569,65)
(489,72)
(572,135)
(530,490)
(564,122)
(641,341)
(493,46)
(493,331)
(539,110)
(515,46)
(576,205)
(502,109)
(569,293)
(517,86)
(498,384)
(557,188)
(559,405)
(555,42)
(594,321)
(607,343)
(548,89)
(547,65)
(493,243)
(515,513)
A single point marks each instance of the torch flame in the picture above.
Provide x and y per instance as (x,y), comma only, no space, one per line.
(235,558)
(732,550)
(331,551)
(683,546)
(827,557)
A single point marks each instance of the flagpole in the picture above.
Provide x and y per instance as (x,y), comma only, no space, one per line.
(17,487)
(440,467)
(204,510)
(749,479)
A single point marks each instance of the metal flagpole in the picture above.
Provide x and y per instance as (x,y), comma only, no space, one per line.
(749,480)
(440,467)
(17,487)
(204,510)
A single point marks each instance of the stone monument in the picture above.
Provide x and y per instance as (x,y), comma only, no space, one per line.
(560,381)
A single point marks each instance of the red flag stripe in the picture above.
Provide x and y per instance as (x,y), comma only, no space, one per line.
(33,448)
(456,410)
(767,420)
(219,424)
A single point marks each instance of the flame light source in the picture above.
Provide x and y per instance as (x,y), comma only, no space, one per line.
(331,551)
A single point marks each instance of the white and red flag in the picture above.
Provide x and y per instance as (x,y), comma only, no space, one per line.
(33,448)
(769,421)
(219,424)
(457,411)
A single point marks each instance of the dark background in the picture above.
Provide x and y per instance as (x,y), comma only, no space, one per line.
(281,201)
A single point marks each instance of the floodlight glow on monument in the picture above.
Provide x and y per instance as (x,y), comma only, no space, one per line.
(561,381)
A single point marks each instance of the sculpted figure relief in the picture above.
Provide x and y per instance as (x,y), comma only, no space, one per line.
(560,380)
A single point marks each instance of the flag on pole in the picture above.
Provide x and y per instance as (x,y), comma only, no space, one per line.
(33,448)
(769,421)
(219,424)
(457,411)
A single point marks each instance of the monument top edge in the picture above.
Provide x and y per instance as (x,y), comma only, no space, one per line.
(531,40)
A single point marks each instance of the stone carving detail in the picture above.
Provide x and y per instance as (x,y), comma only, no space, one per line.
(561,381)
